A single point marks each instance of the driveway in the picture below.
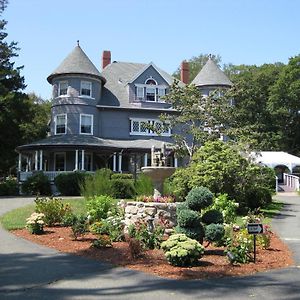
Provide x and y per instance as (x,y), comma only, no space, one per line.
(30,271)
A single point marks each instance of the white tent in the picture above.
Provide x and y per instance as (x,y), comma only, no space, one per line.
(273,159)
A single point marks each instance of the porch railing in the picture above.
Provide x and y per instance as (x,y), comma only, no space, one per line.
(291,181)
(50,174)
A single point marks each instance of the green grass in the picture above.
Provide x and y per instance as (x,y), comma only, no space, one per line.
(16,219)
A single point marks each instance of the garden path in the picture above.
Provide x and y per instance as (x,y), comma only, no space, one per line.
(30,271)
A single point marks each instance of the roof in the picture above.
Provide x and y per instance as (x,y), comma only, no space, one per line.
(118,75)
(276,158)
(211,75)
(76,140)
(77,62)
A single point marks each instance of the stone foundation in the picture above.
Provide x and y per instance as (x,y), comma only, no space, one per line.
(135,211)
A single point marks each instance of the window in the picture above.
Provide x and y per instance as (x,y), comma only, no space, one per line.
(86,124)
(86,88)
(62,88)
(60,162)
(61,124)
(139,92)
(150,91)
(141,127)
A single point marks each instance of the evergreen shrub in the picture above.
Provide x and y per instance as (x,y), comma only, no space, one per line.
(182,251)
(212,216)
(188,218)
(214,232)
(199,198)
(69,184)
(37,184)
(123,188)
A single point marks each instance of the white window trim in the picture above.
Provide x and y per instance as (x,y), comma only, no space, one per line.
(149,132)
(59,84)
(65,161)
(55,124)
(92,127)
(156,87)
(91,89)
(150,78)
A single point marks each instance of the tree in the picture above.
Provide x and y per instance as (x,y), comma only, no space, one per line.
(251,121)
(196,63)
(18,112)
(224,169)
(197,118)
(284,105)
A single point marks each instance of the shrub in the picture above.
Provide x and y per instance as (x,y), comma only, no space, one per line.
(35,223)
(80,226)
(113,226)
(199,198)
(98,207)
(226,206)
(37,184)
(103,241)
(195,233)
(53,209)
(143,185)
(123,188)
(148,239)
(256,197)
(181,250)
(214,232)
(212,216)
(98,184)
(69,184)
(9,187)
(188,218)
(178,184)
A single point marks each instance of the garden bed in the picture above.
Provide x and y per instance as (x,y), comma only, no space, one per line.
(211,265)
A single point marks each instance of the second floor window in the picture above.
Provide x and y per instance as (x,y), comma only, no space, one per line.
(86,88)
(86,124)
(61,124)
(141,127)
(62,88)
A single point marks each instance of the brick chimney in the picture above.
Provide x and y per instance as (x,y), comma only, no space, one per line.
(185,72)
(106,58)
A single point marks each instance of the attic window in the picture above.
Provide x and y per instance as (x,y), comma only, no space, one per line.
(86,88)
(151,81)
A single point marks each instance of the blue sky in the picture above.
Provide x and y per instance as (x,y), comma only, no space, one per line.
(163,31)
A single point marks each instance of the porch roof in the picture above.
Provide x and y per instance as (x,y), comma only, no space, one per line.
(89,141)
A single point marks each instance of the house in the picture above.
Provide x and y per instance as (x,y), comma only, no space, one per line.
(100,119)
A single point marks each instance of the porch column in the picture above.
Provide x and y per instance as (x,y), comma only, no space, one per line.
(27,163)
(20,162)
(41,160)
(82,160)
(36,161)
(175,162)
(76,160)
(146,160)
(115,162)
(120,162)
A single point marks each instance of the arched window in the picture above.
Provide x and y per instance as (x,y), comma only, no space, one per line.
(150,89)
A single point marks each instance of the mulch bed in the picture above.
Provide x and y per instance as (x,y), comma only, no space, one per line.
(211,265)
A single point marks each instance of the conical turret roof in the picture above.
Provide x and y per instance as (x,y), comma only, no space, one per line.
(77,62)
(210,75)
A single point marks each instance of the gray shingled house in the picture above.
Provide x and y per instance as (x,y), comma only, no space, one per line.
(99,119)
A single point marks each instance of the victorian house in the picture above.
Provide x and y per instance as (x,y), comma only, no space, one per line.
(101,119)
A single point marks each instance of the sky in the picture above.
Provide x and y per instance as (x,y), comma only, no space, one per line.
(161,31)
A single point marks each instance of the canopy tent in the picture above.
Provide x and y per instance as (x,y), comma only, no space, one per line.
(273,159)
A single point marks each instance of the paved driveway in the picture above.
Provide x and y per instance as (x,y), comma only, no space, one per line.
(30,271)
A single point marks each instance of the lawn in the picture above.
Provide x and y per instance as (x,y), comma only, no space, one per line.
(16,219)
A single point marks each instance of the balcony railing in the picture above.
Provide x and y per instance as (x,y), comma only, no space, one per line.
(50,174)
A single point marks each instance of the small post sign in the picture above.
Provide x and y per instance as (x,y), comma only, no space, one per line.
(255,228)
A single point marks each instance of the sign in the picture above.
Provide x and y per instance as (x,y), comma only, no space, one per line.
(255,228)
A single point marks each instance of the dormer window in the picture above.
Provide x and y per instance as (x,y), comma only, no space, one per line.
(62,88)
(150,91)
(86,88)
